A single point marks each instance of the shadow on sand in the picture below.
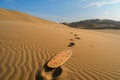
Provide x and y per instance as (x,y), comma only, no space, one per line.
(55,72)
(38,76)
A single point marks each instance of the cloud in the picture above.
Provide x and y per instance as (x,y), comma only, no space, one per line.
(102,3)
(104,15)
(107,15)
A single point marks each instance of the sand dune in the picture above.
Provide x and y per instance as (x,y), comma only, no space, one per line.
(27,43)
(110,31)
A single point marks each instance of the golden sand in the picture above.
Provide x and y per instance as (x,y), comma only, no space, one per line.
(27,43)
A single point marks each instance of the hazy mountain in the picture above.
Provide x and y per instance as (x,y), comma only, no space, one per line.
(95,24)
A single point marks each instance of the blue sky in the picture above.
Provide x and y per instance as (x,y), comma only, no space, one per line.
(66,10)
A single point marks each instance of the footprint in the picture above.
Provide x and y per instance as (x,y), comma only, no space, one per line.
(77,38)
(71,39)
(71,32)
(75,35)
(71,44)
(47,73)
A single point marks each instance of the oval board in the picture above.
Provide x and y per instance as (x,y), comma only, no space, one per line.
(59,59)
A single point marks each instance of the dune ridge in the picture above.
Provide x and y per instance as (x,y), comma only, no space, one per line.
(25,47)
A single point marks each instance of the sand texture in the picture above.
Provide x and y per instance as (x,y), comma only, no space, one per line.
(27,43)
(110,31)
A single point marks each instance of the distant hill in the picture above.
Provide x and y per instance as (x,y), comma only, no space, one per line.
(95,24)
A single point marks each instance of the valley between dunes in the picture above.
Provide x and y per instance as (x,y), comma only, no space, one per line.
(27,43)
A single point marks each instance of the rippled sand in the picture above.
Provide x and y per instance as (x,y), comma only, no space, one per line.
(27,43)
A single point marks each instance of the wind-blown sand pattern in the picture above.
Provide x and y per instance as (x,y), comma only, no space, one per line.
(27,43)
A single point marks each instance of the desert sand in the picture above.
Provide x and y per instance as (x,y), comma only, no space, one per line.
(27,43)
(111,31)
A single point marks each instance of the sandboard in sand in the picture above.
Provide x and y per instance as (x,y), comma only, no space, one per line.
(59,59)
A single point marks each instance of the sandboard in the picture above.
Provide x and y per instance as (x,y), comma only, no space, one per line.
(59,59)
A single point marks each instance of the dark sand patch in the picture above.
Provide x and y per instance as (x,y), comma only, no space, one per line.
(71,44)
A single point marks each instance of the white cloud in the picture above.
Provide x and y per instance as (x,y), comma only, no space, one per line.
(104,15)
(102,3)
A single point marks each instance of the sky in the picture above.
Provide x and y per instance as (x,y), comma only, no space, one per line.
(66,10)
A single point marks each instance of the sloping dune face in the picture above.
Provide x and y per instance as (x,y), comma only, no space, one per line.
(27,43)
